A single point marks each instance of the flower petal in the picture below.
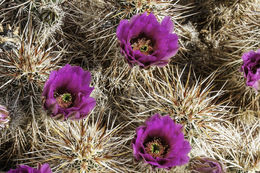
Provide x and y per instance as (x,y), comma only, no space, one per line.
(164,43)
(164,129)
(75,81)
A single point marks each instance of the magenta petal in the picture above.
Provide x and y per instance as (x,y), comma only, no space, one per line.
(251,68)
(51,105)
(163,128)
(22,169)
(45,168)
(164,42)
(122,29)
(27,169)
(88,104)
(138,141)
(73,80)
(167,23)
(172,46)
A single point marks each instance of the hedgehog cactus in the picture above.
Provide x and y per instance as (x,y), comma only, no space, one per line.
(141,86)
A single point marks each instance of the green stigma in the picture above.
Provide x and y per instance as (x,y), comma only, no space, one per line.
(144,48)
(155,149)
(66,97)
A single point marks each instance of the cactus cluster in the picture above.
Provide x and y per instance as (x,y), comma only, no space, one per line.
(129,86)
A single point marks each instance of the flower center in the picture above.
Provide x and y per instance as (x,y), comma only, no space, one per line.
(66,97)
(155,148)
(64,100)
(144,45)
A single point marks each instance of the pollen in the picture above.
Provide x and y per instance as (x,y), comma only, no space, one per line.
(144,45)
(155,148)
(64,100)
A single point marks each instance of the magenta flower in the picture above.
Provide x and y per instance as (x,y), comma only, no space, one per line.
(67,93)
(145,42)
(45,168)
(205,165)
(251,68)
(4,117)
(160,142)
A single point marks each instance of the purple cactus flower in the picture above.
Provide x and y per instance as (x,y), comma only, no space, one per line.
(205,165)
(160,143)
(251,68)
(45,168)
(4,117)
(67,93)
(145,42)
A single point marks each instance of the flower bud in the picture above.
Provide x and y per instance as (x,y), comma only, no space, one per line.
(205,165)
(4,117)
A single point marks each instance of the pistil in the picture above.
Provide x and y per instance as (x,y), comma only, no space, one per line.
(144,45)
(155,148)
(64,100)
